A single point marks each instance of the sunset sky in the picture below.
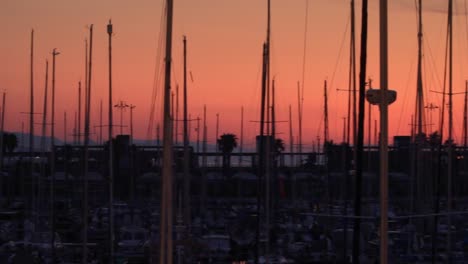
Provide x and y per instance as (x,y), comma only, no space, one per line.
(224,55)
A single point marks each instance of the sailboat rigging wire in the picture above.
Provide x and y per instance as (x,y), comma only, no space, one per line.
(405,96)
(434,75)
(157,75)
(338,59)
(441,129)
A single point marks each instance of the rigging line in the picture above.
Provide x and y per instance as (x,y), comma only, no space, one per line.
(427,87)
(156,79)
(434,75)
(444,84)
(338,59)
(403,113)
(157,76)
(254,101)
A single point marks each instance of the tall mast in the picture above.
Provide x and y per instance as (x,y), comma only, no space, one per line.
(78,133)
(273,112)
(44,110)
(383,24)
(65,127)
(369,133)
(52,164)
(100,122)
(419,84)
(86,154)
(205,138)
(75,136)
(352,72)
(465,116)
(450,132)
(359,139)
(173,117)
(187,162)
(241,145)
(301,93)
(176,118)
(325,114)
(299,106)
(216,139)
(261,151)
(110,30)
(31,102)
(291,138)
(198,134)
(167,181)
(79,91)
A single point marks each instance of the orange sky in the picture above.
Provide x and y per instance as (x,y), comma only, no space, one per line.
(224,44)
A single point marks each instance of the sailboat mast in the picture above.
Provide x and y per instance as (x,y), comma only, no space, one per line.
(65,127)
(291,138)
(450,132)
(100,122)
(216,139)
(167,181)
(241,145)
(419,84)
(203,176)
(353,71)
(31,98)
(369,133)
(176,118)
(187,215)
(78,125)
(85,149)
(383,24)
(111,148)
(74,129)
(261,153)
(465,116)
(299,106)
(52,163)
(44,110)
(198,134)
(205,137)
(325,114)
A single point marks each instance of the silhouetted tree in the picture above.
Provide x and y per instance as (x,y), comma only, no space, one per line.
(226,144)
(434,139)
(279,146)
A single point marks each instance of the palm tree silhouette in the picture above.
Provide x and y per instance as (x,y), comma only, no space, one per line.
(279,146)
(226,144)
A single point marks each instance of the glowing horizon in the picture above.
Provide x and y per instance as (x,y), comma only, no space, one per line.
(224,56)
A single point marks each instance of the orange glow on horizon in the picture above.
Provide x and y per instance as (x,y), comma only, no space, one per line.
(224,56)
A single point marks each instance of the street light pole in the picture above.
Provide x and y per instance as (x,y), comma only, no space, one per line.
(121,105)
